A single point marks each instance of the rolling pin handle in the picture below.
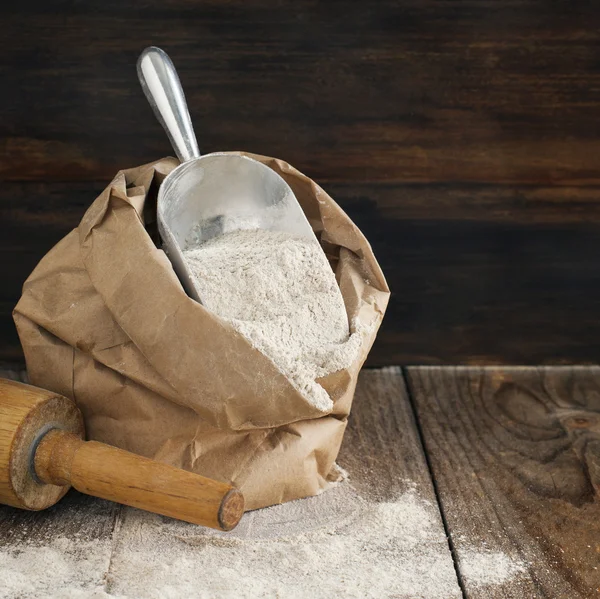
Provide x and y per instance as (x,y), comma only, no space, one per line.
(100,470)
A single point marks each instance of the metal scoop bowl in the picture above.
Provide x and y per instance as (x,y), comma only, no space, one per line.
(207,196)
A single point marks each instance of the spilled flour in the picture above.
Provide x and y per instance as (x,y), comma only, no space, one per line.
(279,291)
(484,568)
(336,545)
(63,568)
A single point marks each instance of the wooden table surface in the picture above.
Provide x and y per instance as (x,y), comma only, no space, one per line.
(491,477)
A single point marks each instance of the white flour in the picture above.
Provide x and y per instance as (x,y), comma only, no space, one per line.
(335,545)
(485,568)
(280,292)
(63,568)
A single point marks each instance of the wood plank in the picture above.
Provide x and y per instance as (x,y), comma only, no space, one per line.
(510,203)
(514,453)
(461,135)
(377,535)
(419,90)
(479,273)
(467,292)
(64,549)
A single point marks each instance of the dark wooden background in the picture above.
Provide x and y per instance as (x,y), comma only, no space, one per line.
(463,137)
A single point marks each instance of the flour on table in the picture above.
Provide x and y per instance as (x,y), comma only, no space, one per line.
(279,291)
(485,568)
(339,544)
(335,545)
(64,568)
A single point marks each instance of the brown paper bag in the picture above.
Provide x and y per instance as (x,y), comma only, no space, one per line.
(103,319)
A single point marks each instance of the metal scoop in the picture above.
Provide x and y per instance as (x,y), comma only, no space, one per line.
(207,196)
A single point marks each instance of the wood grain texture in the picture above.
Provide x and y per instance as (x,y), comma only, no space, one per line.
(479,274)
(382,449)
(384,457)
(103,471)
(63,458)
(515,454)
(25,414)
(461,135)
(420,90)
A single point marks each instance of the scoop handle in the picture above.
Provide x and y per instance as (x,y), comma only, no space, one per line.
(163,90)
(62,458)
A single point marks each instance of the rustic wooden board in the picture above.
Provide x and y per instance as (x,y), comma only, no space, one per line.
(378,535)
(382,448)
(516,458)
(387,516)
(463,136)
(419,90)
(515,454)
(479,274)
(484,291)
(64,549)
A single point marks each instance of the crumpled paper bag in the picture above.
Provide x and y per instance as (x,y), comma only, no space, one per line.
(104,320)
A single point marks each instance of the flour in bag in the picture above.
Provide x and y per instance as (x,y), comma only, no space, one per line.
(279,291)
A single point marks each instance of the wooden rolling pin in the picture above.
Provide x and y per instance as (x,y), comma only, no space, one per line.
(42,453)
